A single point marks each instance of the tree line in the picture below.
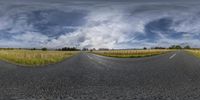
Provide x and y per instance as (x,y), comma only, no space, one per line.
(101,49)
(173,47)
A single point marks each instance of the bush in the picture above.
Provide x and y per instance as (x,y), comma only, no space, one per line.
(68,49)
(175,47)
(33,48)
(44,49)
(187,47)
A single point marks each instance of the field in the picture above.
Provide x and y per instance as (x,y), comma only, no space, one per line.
(195,52)
(131,53)
(34,57)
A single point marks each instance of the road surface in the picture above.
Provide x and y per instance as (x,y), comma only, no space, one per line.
(172,76)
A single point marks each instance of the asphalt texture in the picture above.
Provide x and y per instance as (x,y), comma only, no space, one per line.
(172,76)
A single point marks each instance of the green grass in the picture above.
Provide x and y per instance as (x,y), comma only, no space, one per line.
(34,57)
(130,53)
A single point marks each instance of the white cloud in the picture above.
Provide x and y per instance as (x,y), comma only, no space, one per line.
(103,29)
(31,36)
(108,25)
(112,28)
(34,38)
(5,23)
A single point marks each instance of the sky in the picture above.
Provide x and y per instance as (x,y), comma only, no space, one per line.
(99,24)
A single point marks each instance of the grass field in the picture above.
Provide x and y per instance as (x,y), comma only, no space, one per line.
(194,52)
(131,53)
(34,57)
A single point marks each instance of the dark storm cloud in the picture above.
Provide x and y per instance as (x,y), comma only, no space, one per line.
(95,23)
(55,22)
(161,26)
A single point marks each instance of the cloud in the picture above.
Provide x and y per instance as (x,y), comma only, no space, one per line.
(102,29)
(108,24)
(31,37)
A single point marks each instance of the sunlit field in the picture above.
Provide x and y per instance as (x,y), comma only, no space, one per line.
(195,52)
(34,57)
(131,53)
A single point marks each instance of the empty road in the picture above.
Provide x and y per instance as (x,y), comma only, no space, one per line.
(172,76)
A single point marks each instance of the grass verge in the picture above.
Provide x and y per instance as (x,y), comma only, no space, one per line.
(34,57)
(130,53)
(194,52)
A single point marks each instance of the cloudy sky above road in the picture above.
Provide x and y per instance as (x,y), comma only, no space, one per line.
(99,24)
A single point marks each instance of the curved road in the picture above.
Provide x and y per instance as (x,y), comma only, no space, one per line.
(172,76)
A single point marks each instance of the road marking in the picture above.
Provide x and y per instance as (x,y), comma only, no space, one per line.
(98,62)
(89,57)
(172,56)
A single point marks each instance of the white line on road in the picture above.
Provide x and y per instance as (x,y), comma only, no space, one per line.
(89,57)
(172,56)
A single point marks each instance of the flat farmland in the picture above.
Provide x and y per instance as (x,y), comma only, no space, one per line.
(34,57)
(131,53)
(195,52)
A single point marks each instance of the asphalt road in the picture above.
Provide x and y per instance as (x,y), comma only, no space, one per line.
(172,76)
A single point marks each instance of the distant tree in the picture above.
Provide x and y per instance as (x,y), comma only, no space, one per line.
(44,49)
(69,49)
(159,48)
(103,49)
(85,49)
(178,47)
(175,47)
(145,48)
(33,48)
(187,47)
(59,49)
(94,49)
(172,47)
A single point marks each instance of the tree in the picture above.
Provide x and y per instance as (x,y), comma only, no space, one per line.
(175,47)
(44,49)
(178,47)
(33,48)
(187,47)
(85,49)
(159,48)
(145,48)
(68,49)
